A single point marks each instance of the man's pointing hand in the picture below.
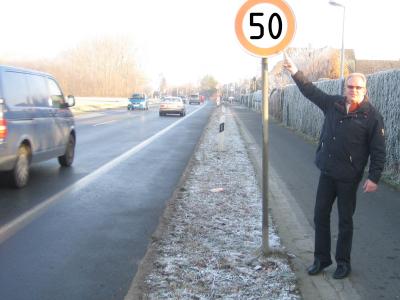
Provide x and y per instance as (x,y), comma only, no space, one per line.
(288,64)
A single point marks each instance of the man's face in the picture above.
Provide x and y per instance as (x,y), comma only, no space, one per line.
(355,89)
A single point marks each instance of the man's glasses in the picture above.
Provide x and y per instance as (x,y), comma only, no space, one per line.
(357,87)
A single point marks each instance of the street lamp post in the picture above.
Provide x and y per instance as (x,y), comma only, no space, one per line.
(335,3)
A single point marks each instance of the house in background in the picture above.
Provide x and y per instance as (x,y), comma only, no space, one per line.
(373,66)
(324,63)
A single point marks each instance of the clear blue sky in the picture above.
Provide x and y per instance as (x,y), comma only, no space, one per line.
(186,39)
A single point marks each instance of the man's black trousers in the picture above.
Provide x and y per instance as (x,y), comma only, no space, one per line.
(328,190)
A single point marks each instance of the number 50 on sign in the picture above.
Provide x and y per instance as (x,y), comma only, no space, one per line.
(265,27)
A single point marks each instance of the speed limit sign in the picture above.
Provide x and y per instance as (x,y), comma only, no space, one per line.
(265,27)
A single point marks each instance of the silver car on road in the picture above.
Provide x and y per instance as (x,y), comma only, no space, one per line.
(172,105)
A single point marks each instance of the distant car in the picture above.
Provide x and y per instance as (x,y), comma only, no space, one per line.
(184,99)
(194,99)
(138,101)
(36,123)
(172,105)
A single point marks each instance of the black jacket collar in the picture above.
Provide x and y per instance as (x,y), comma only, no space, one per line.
(341,106)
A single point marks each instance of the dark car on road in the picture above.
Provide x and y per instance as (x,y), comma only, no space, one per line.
(35,122)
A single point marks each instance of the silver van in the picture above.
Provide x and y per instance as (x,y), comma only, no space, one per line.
(194,99)
(35,122)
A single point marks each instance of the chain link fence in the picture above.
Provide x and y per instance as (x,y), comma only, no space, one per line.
(290,107)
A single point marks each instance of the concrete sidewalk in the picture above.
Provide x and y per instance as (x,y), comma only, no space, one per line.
(295,232)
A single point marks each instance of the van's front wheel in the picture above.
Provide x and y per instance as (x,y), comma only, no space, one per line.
(68,158)
(20,173)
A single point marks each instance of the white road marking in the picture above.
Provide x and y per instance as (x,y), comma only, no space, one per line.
(88,116)
(14,226)
(108,122)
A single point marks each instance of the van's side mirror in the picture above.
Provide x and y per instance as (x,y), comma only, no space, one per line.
(70,100)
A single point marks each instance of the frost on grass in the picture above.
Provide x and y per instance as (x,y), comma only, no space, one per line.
(211,245)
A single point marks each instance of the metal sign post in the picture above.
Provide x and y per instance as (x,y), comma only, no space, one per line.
(265,28)
(265,235)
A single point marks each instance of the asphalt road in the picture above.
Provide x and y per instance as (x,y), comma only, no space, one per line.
(80,233)
(376,246)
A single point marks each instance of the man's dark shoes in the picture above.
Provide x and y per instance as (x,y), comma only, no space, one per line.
(317,267)
(342,271)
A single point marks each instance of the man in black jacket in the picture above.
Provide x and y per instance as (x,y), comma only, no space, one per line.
(353,130)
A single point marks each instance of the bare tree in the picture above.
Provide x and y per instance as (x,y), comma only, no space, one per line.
(315,64)
(100,67)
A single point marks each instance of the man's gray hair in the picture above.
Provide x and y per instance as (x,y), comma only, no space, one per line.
(362,76)
(359,75)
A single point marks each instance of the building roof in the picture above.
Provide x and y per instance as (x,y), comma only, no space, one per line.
(373,66)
